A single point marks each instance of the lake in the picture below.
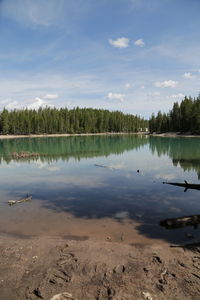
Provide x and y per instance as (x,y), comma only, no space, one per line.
(100,187)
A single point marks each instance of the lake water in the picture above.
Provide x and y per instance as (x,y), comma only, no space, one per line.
(88,187)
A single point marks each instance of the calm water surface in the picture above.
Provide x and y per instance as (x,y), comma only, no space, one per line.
(93,181)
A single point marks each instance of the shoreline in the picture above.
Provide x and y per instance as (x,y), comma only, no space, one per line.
(175,135)
(9,136)
(166,134)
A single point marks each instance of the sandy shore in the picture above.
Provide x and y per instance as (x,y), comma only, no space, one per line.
(42,267)
(167,134)
(67,134)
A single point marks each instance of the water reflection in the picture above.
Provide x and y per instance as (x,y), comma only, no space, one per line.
(66,178)
(55,148)
(182,151)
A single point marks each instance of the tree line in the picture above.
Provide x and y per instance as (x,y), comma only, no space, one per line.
(184,117)
(77,120)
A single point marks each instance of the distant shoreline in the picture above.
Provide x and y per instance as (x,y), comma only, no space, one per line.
(9,136)
(166,134)
(175,134)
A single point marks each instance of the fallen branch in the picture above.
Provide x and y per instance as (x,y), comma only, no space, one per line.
(186,185)
(28,198)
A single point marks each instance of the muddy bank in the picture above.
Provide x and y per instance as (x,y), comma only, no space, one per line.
(39,268)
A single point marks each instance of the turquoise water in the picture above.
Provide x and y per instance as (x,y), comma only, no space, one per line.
(96,177)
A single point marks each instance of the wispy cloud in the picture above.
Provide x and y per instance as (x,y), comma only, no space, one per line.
(44,13)
(36,12)
(115,96)
(139,43)
(122,42)
(166,84)
(188,75)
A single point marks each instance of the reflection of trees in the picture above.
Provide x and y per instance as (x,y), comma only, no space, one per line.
(183,151)
(54,148)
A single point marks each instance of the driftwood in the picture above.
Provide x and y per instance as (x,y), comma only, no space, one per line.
(27,198)
(181,222)
(186,185)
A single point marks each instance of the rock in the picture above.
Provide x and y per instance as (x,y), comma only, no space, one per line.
(156,258)
(63,296)
(160,287)
(53,281)
(37,292)
(145,270)
(147,296)
(119,269)
(181,264)
(111,293)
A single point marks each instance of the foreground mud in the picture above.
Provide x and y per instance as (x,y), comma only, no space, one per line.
(39,268)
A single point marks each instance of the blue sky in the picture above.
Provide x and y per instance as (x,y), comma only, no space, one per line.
(137,56)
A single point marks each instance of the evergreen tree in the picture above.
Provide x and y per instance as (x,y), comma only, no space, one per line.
(77,120)
(182,118)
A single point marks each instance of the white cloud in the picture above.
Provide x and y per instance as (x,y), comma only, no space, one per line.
(114,96)
(42,165)
(12,105)
(142,87)
(50,96)
(120,42)
(139,43)
(188,75)
(175,96)
(37,103)
(166,84)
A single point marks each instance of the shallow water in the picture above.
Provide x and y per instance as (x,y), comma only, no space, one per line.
(89,187)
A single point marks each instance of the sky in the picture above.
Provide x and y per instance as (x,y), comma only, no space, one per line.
(136,56)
